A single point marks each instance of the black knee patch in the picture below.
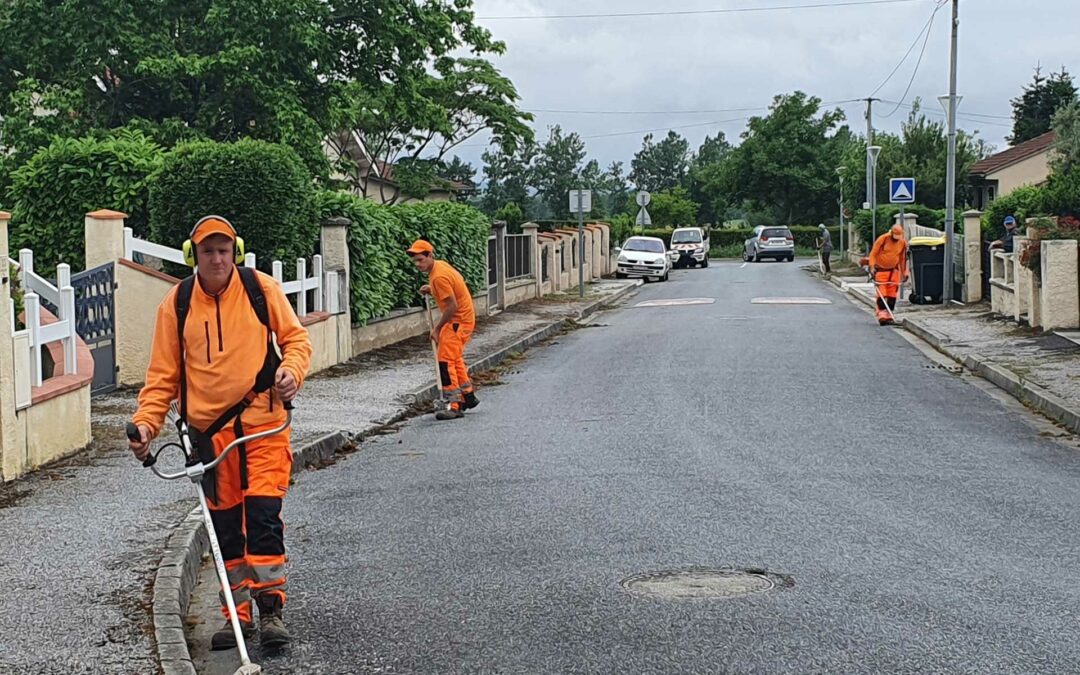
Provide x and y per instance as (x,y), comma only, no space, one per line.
(881,304)
(265,531)
(228,523)
(444,373)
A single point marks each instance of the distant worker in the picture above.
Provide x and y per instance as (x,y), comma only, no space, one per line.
(888,265)
(1007,243)
(454,329)
(824,246)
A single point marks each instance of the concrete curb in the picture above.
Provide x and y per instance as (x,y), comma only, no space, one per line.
(1032,394)
(178,571)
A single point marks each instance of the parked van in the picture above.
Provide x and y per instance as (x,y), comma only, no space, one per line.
(689,247)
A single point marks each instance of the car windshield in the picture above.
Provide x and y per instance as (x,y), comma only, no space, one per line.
(686,237)
(644,245)
(775,232)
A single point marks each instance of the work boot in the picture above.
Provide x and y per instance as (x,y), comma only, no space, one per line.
(226,639)
(272,633)
(449,414)
(470,401)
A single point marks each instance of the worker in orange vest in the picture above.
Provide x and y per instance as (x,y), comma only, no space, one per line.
(888,265)
(454,329)
(214,350)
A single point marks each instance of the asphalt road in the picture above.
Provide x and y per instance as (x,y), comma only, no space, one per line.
(923,525)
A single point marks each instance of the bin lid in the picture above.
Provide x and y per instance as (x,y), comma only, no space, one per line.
(927,241)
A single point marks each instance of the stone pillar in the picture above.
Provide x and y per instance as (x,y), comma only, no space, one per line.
(334,248)
(532,229)
(1060,292)
(973,257)
(12,440)
(104,236)
(498,228)
(909,224)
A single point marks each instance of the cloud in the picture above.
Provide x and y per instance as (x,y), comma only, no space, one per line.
(727,61)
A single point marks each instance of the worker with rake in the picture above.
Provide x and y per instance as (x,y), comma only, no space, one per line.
(452,332)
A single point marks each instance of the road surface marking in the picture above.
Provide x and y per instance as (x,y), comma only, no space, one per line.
(791,301)
(675,302)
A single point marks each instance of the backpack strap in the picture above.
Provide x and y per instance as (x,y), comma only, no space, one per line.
(183,306)
(255,294)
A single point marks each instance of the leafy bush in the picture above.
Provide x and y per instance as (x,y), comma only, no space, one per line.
(264,189)
(1021,203)
(383,276)
(16,296)
(61,183)
(458,232)
(886,217)
(1061,196)
(380,269)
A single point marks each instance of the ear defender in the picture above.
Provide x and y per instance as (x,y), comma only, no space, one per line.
(190,258)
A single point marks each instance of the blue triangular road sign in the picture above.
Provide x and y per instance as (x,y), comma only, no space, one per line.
(902,190)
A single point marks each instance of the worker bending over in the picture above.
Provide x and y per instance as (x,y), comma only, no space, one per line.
(888,265)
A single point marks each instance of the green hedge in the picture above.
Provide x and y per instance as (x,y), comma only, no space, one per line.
(52,193)
(383,276)
(458,232)
(1061,196)
(1021,203)
(264,189)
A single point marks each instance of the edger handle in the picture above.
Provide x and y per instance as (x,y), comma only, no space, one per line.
(134,435)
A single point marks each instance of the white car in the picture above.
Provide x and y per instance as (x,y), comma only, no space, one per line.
(644,257)
(689,247)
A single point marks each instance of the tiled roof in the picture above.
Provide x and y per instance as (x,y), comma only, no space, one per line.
(1013,155)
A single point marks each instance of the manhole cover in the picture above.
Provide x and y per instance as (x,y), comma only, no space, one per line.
(791,301)
(698,583)
(676,302)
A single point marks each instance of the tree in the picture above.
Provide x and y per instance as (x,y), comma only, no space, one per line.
(673,208)
(706,178)
(1066,155)
(787,160)
(1034,110)
(290,71)
(663,165)
(558,170)
(508,174)
(459,171)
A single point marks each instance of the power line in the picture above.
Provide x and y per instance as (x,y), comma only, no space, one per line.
(914,42)
(918,63)
(667,112)
(689,12)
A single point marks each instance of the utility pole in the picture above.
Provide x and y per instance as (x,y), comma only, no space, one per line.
(581,244)
(871,187)
(950,182)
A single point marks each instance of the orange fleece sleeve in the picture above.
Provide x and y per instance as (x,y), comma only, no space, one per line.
(163,374)
(903,260)
(292,337)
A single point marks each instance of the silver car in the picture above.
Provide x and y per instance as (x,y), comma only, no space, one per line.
(777,243)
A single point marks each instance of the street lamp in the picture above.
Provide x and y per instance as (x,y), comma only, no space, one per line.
(872,152)
(840,172)
(950,103)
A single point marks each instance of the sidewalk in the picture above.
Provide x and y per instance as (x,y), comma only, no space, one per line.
(83,539)
(1042,370)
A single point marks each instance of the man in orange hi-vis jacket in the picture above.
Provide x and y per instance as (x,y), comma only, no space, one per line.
(888,264)
(454,329)
(214,338)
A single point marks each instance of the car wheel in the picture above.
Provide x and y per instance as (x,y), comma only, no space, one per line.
(705,262)
(757,256)
(667,275)
(745,256)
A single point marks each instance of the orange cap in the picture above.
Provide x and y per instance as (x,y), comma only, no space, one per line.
(212,225)
(898,229)
(420,246)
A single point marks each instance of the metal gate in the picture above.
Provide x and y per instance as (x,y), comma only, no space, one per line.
(493,273)
(959,271)
(95,322)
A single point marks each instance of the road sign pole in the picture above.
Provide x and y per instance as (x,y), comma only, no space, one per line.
(581,246)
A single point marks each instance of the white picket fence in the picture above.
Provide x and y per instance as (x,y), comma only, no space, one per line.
(62,296)
(324,287)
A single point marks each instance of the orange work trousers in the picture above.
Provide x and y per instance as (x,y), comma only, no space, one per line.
(888,288)
(248,521)
(455,374)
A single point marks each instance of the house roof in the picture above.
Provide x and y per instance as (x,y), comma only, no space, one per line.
(1013,155)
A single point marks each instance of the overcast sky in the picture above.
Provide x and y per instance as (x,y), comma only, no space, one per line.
(716,62)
